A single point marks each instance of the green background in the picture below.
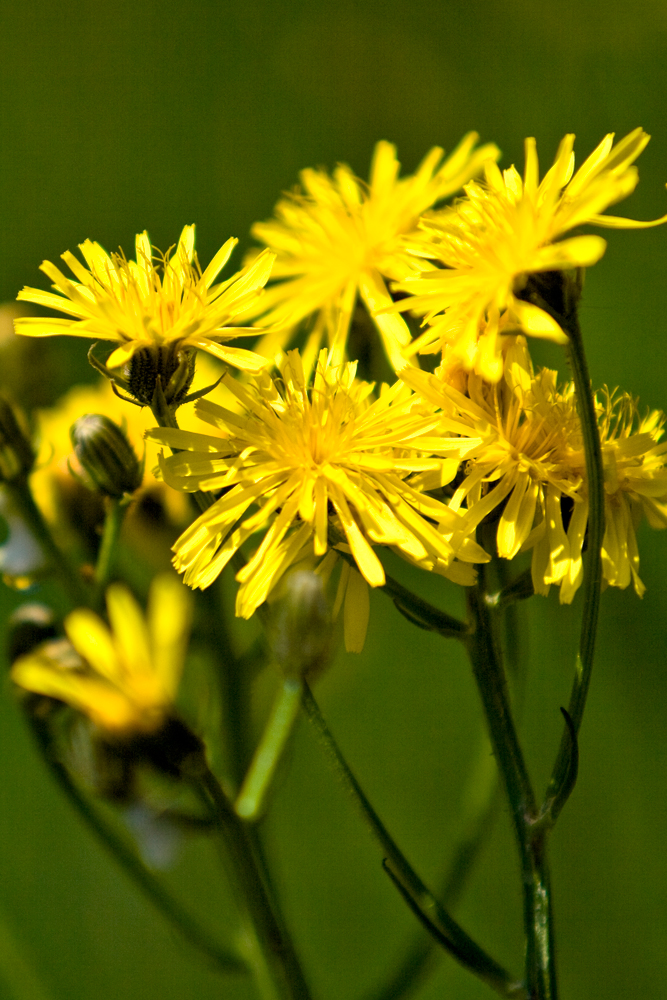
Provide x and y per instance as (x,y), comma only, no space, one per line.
(120,117)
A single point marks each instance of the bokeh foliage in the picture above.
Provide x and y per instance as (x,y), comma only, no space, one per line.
(115,118)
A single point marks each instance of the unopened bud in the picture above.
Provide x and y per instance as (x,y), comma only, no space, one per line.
(559,291)
(302,626)
(106,455)
(16,452)
(174,368)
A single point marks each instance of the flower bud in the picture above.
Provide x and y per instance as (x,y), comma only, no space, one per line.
(106,455)
(16,452)
(559,291)
(174,368)
(302,626)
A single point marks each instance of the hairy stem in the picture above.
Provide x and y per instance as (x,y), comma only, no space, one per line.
(269,949)
(225,959)
(593,563)
(492,684)
(425,906)
(105,559)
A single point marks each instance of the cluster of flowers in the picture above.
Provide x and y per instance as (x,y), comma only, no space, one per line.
(327,469)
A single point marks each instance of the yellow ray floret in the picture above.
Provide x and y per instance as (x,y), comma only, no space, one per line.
(322,464)
(124,677)
(522,446)
(340,237)
(157,300)
(502,231)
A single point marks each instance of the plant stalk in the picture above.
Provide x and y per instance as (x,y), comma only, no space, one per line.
(59,562)
(225,959)
(593,562)
(492,684)
(425,906)
(269,948)
(113,522)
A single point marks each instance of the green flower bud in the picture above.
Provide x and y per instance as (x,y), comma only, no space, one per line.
(106,455)
(174,368)
(16,452)
(302,625)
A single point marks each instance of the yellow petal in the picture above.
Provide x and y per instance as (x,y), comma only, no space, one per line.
(129,631)
(169,614)
(92,640)
(356,612)
(535,322)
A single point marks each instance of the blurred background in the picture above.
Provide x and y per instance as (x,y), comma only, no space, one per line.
(128,116)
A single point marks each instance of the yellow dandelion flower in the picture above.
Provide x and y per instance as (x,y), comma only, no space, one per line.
(521,450)
(125,678)
(504,230)
(520,444)
(635,485)
(156,302)
(319,463)
(339,238)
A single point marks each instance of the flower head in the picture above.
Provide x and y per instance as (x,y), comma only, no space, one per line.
(523,464)
(635,482)
(340,237)
(520,446)
(125,677)
(505,229)
(325,464)
(156,302)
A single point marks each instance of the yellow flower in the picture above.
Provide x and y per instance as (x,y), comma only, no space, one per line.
(340,238)
(504,230)
(143,305)
(635,482)
(520,444)
(323,465)
(521,449)
(125,677)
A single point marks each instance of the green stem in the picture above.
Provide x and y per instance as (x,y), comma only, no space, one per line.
(593,565)
(188,927)
(270,952)
(105,559)
(480,804)
(279,728)
(423,614)
(233,677)
(23,499)
(424,904)
(492,685)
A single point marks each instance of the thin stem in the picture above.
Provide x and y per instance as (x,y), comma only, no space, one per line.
(424,904)
(420,954)
(276,966)
(233,677)
(105,559)
(492,685)
(171,909)
(278,729)
(423,614)
(593,566)
(58,560)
